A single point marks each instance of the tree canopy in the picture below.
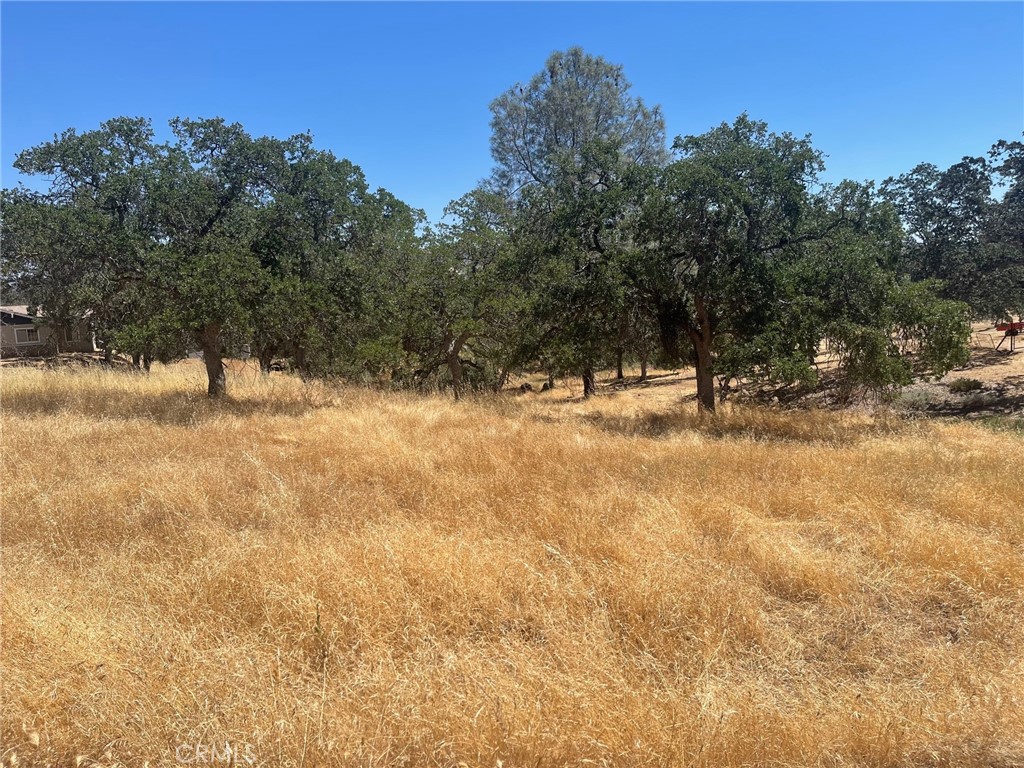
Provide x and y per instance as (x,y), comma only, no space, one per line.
(591,243)
(959,232)
(543,128)
(216,240)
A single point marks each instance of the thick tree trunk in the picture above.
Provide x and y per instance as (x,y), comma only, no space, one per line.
(455,371)
(619,375)
(300,363)
(266,359)
(137,360)
(702,334)
(705,380)
(209,342)
(589,383)
(455,362)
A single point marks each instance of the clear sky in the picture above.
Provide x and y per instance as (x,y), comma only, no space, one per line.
(403,89)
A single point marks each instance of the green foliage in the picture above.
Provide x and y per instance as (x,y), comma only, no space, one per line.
(757,266)
(938,328)
(964,385)
(960,233)
(217,240)
(458,299)
(569,149)
(721,223)
(571,244)
(841,292)
(541,129)
(584,249)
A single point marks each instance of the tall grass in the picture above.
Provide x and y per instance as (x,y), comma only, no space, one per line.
(335,577)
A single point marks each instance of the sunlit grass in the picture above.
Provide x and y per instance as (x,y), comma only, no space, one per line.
(343,577)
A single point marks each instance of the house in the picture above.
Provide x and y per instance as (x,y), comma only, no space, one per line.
(22,334)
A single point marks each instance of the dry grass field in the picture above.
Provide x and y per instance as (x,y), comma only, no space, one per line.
(303,576)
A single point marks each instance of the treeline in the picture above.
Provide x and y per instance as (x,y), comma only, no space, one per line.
(592,245)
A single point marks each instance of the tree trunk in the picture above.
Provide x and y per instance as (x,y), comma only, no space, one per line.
(702,334)
(502,380)
(589,384)
(455,371)
(137,360)
(619,375)
(455,362)
(551,379)
(643,368)
(705,381)
(147,361)
(266,359)
(299,362)
(209,342)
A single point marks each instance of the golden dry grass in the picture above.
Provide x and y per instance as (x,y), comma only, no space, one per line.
(323,577)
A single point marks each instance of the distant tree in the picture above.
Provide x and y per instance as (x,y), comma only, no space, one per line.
(316,240)
(572,242)
(211,184)
(566,146)
(76,249)
(846,290)
(539,129)
(384,264)
(1003,257)
(720,218)
(459,299)
(957,232)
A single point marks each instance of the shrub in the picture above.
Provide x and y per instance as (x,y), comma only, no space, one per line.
(962,386)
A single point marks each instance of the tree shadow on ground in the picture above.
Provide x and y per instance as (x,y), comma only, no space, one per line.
(652,380)
(1006,399)
(172,408)
(984,358)
(610,386)
(754,423)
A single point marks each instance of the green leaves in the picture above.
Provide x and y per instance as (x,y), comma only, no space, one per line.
(959,232)
(539,129)
(586,247)
(760,265)
(571,148)
(219,237)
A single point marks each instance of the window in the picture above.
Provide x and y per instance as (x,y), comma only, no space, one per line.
(26,335)
(72,334)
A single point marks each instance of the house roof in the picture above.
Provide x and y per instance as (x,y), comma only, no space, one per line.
(19,313)
(16,314)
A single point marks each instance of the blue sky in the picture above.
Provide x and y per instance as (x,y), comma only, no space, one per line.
(403,89)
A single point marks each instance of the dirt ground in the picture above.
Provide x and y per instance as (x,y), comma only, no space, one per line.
(991,384)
